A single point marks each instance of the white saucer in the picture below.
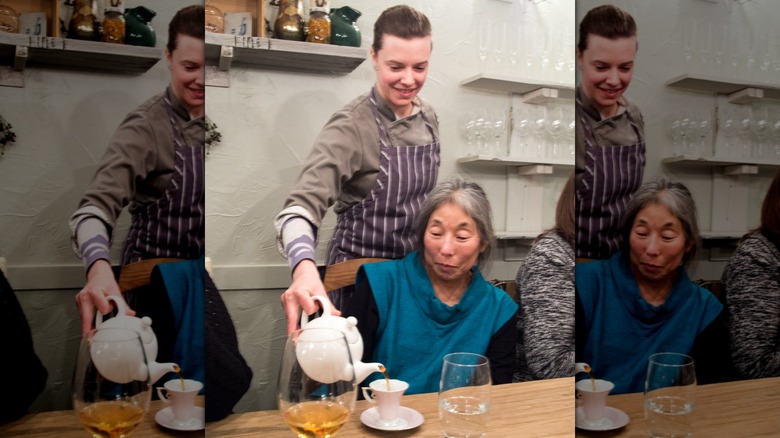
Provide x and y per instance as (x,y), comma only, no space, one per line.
(164,417)
(409,419)
(613,419)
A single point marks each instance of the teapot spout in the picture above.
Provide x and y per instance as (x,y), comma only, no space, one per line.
(362,370)
(581,367)
(157,370)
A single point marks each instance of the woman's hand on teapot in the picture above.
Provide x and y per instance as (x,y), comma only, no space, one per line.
(100,283)
(306,283)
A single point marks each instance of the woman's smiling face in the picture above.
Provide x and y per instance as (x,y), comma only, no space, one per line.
(607,66)
(401,69)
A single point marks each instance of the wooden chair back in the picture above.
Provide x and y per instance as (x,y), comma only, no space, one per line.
(342,274)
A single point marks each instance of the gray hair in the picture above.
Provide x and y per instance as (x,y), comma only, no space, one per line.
(472,199)
(674,196)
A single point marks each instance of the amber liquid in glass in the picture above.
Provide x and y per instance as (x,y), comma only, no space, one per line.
(110,419)
(316,419)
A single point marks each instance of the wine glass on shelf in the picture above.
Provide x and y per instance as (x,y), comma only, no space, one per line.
(745,148)
(111,383)
(539,130)
(521,128)
(675,133)
(483,43)
(703,129)
(554,126)
(688,127)
(727,126)
(481,130)
(569,130)
(759,123)
(317,388)
(497,129)
(467,128)
(774,131)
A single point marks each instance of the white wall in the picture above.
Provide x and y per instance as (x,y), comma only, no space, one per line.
(63,121)
(660,27)
(269,121)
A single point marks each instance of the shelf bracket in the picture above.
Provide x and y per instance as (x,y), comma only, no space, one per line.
(741,169)
(540,96)
(20,57)
(225,57)
(745,96)
(535,169)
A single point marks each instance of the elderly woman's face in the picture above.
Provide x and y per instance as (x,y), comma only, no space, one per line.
(657,243)
(452,243)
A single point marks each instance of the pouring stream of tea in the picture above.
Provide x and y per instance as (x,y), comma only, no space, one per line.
(181,376)
(383,370)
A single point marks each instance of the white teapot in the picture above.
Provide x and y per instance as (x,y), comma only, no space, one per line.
(125,364)
(330,366)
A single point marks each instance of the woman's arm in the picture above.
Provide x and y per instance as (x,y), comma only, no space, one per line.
(501,352)
(752,283)
(546,287)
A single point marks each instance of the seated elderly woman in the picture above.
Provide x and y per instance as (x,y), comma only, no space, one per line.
(641,301)
(752,283)
(413,311)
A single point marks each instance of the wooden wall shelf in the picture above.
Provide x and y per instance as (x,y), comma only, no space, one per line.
(20,51)
(277,54)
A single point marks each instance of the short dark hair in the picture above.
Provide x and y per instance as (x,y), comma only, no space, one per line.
(190,21)
(607,21)
(402,21)
(565,215)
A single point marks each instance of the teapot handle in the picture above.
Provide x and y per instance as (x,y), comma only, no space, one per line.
(120,305)
(325,309)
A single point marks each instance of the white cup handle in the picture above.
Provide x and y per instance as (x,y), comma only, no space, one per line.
(162,395)
(366,395)
(326,310)
(120,305)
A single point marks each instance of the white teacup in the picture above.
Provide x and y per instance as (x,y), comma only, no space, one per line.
(387,402)
(594,399)
(182,401)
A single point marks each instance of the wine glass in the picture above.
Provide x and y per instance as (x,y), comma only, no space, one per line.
(670,395)
(521,128)
(727,125)
(105,407)
(688,128)
(482,127)
(703,128)
(675,133)
(467,127)
(497,129)
(317,388)
(743,130)
(554,126)
(569,130)
(464,395)
(774,130)
(483,43)
(538,128)
(759,123)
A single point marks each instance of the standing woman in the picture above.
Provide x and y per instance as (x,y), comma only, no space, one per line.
(154,164)
(609,140)
(375,161)
(752,284)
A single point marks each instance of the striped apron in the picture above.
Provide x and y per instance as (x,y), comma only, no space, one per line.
(173,225)
(381,225)
(612,175)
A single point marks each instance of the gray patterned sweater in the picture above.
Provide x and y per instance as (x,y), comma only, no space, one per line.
(752,283)
(545,282)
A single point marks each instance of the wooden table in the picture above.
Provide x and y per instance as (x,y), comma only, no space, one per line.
(63,424)
(747,408)
(529,409)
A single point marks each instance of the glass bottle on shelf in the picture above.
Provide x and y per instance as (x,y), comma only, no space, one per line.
(289,22)
(84,23)
(319,22)
(9,19)
(215,19)
(114,22)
